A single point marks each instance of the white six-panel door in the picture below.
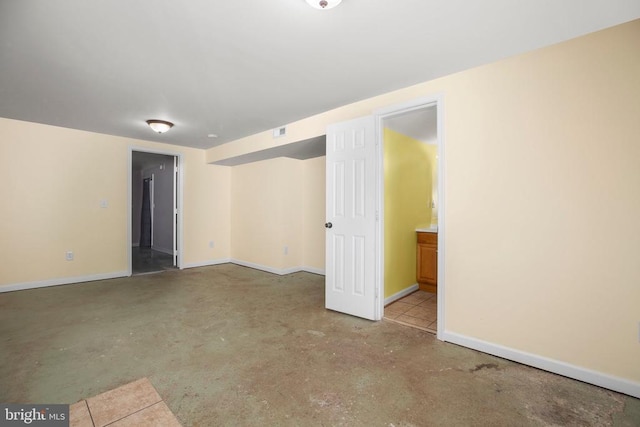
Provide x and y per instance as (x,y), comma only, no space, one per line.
(351,218)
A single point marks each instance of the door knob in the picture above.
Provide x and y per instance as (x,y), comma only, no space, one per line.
(328,225)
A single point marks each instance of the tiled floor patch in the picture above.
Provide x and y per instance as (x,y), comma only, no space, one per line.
(134,404)
(418,310)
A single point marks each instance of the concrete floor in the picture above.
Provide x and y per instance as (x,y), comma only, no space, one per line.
(228,345)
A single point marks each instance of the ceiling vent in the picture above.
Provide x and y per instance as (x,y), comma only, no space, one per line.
(278,132)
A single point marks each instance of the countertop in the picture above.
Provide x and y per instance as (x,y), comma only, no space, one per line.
(427,230)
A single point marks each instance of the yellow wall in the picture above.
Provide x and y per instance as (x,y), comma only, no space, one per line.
(275,204)
(541,212)
(407,195)
(53,180)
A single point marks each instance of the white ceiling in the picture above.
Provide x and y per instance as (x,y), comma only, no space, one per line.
(235,68)
(419,124)
(301,150)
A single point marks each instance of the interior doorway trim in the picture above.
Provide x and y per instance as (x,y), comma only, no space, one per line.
(179,202)
(380,116)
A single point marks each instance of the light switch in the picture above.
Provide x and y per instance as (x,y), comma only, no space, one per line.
(104,203)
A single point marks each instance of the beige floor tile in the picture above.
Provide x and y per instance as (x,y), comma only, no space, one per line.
(417,297)
(414,321)
(79,415)
(113,405)
(424,313)
(388,314)
(398,307)
(156,415)
(432,302)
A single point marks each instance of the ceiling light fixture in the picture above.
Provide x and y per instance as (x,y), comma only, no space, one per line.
(323,4)
(160,126)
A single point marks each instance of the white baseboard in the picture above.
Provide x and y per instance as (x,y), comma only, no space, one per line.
(206,263)
(314,270)
(561,368)
(278,271)
(266,268)
(402,293)
(61,281)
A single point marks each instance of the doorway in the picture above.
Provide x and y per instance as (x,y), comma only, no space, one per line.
(154,212)
(355,201)
(410,202)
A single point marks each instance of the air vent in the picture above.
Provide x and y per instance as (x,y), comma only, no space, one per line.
(278,132)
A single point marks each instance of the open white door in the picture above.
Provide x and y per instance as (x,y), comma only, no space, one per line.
(175,211)
(351,218)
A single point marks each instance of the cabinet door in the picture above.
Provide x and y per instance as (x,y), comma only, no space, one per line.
(427,264)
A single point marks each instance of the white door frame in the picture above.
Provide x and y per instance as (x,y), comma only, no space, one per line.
(152,203)
(380,116)
(179,202)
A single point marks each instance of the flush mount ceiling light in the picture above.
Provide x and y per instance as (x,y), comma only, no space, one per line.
(159,126)
(323,4)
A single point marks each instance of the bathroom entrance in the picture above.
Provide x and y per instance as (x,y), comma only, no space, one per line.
(410,158)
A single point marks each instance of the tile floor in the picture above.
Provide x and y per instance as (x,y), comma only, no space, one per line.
(134,404)
(147,260)
(418,310)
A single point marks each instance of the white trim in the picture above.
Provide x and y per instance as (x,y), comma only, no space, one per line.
(61,281)
(379,239)
(207,263)
(442,164)
(174,212)
(405,107)
(565,369)
(384,113)
(313,270)
(180,191)
(401,294)
(152,204)
(278,271)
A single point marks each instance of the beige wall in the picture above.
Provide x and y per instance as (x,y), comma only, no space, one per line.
(275,204)
(542,204)
(314,214)
(53,181)
(264,201)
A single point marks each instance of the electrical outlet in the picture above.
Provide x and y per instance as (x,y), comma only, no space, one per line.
(68,255)
(286,250)
(211,244)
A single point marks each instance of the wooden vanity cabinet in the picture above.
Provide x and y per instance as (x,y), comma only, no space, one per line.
(427,262)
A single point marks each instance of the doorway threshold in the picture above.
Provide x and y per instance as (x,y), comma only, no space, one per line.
(417,310)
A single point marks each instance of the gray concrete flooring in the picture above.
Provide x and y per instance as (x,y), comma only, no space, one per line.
(228,345)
